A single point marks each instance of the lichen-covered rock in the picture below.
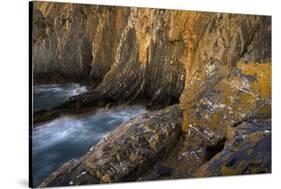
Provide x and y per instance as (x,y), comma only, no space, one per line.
(247,151)
(148,64)
(133,147)
(188,155)
(125,153)
(151,54)
(182,161)
(220,65)
(134,53)
(223,88)
(245,94)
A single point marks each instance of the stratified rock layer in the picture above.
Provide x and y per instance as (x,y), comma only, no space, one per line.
(246,149)
(231,83)
(126,50)
(151,147)
(145,55)
(70,173)
(218,64)
(128,151)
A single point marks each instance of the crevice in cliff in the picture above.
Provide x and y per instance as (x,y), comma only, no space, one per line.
(147,60)
(153,168)
(212,150)
(156,83)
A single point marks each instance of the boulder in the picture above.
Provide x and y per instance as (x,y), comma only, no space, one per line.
(133,147)
(126,152)
(247,151)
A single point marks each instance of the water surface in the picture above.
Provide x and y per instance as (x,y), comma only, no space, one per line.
(60,140)
(49,96)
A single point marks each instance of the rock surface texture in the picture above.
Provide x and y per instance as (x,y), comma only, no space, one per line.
(215,68)
(125,153)
(247,151)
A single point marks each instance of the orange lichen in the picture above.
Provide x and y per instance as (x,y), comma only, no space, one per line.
(262,85)
(225,171)
(238,99)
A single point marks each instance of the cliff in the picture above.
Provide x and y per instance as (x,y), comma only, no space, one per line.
(127,51)
(217,66)
(69,39)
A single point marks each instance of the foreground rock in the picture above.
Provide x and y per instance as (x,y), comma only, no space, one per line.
(151,147)
(132,148)
(69,173)
(247,151)
(126,153)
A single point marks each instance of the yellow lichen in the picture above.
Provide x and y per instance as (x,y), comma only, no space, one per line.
(225,171)
(255,137)
(238,98)
(262,85)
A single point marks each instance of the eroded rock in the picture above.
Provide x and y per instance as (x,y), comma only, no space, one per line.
(125,153)
(188,155)
(70,173)
(221,88)
(223,62)
(129,150)
(247,151)
(69,39)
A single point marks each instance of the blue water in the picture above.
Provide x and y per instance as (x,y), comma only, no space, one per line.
(65,138)
(48,96)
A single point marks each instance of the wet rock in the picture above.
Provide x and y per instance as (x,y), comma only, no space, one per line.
(85,103)
(164,171)
(247,151)
(70,173)
(125,153)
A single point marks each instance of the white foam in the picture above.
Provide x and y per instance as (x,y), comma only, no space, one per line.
(71,129)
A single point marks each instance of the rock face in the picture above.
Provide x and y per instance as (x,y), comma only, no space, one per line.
(215,66)
(232,83)
(125,49)
(144,55)
(69,39)
(247,151)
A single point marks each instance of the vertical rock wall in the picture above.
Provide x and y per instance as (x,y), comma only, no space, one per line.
(230,75)
(151,55)
(218,64)
(127,50)
(70,39)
